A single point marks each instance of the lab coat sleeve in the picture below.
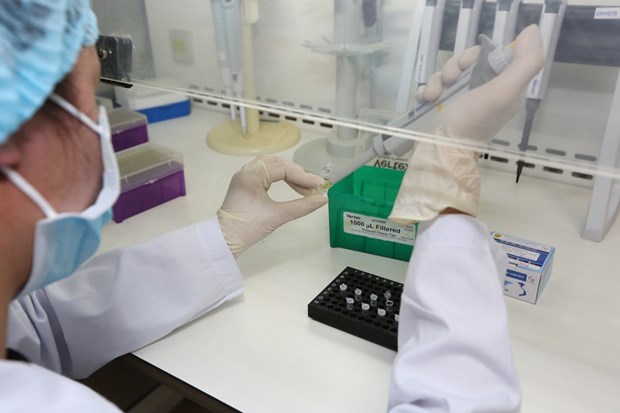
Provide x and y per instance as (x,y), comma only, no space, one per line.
(125,299)
(454,350)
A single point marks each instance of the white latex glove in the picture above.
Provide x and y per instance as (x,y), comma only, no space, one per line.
(440,177)
(248,214)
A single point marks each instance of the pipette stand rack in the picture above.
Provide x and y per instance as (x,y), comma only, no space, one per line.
(259,137)
(267,137)
(340,146)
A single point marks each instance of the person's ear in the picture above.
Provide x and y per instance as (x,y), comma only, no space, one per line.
(9,155)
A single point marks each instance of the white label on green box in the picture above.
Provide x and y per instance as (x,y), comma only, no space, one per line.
(378,228)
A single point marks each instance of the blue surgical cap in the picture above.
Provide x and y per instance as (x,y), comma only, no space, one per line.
(39,43)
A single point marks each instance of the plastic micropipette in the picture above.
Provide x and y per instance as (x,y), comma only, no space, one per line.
(491,62)
(251,122)
(232,23)
(467,26)
(371,15)
(429,39)
(550,25)
(222,53)
(409,60)
(505,21)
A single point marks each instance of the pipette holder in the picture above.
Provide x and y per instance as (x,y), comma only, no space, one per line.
(257,137)
(350,43)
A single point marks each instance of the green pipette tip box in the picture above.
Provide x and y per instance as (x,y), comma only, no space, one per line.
(358,209)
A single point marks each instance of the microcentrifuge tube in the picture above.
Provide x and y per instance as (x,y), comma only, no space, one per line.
(350,302)
(389,305)
(343,287)
(322,188)
(365,307)
(381,312)
(358,294)
(373,299)
(387,294)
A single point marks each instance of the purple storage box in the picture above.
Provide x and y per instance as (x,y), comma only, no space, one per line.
(128,128)
(151,174)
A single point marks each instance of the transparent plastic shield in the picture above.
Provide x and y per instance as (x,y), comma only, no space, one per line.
(337,60)
(348,67)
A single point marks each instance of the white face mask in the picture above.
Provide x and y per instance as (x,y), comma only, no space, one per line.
(63,241)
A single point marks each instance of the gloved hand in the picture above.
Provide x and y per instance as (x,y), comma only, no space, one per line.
(442,177)
(248,214)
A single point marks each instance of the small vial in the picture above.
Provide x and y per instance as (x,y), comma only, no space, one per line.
(387,294)
(381,312)
(343,288)
(322,189)
(373,299)
(350,302)
(358,294)
(396,317)
(365,307)
(389,305)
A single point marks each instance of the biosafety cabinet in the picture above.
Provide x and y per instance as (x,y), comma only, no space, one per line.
(350,69)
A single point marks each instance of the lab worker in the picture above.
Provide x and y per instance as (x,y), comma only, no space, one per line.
(62,316)
(454,350)
(58,182)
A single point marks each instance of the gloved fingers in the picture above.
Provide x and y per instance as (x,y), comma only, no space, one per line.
(482,112)
(254,170)
(280,169)
(528,59)
(451,70)
(297,208)
(456,65)
(419,94)
(468,57)
(248,214)
(433,88)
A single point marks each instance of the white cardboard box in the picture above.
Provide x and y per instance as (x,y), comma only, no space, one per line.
(529,267)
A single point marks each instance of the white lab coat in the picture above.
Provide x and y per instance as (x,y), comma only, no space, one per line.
(116,303)
(454,350)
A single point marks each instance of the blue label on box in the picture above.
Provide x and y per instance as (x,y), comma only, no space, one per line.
(516,275)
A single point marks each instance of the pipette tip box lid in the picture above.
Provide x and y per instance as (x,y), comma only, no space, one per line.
(128,127)
(529,266)
(358,209)
(151,175)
